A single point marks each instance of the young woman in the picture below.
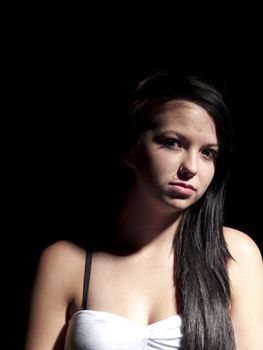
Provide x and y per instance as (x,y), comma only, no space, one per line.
(183,280)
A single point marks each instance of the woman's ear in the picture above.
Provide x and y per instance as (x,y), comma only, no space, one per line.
(129,159)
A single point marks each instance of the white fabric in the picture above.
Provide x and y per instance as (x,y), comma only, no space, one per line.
(98,330)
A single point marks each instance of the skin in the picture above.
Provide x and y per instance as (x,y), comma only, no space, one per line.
(179,149)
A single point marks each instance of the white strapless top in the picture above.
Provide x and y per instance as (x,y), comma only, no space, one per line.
(99,330)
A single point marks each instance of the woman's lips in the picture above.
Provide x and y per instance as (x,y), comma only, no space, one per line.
(182,189)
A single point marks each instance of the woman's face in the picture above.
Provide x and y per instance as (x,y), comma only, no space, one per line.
(174,161)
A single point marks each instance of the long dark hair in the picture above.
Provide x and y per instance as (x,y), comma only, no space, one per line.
(200,250)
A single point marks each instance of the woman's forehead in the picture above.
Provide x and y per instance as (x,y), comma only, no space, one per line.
(182,112)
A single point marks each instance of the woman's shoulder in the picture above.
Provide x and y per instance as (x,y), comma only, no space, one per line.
(240,244)
(245,265)
(246,282)
(62,264)
(62,253)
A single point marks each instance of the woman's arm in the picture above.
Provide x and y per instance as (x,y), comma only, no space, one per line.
(246,275)
(50,300)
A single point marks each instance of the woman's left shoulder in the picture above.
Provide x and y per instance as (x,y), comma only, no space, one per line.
(245,265)
(246,282)
(241,245)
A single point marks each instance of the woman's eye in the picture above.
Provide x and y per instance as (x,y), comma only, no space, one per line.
(171,143)
(210,154)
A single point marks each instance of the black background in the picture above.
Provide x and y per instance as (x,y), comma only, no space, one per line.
(65,91)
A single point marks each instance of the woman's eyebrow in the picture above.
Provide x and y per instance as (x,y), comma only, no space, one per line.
(183,137)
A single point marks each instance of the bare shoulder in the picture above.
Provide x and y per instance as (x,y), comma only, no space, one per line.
(61,252)
(241,245)
(246,282)
(56,293)
(246,267)
(62,264)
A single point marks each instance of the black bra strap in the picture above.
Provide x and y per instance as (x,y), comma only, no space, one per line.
(88,264)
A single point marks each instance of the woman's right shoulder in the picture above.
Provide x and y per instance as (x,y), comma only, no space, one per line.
(56,289)
(60,271)
(62,262)
(62,252)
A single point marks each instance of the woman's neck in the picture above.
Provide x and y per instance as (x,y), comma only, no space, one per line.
(142,222)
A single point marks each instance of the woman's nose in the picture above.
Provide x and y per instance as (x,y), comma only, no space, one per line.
(188,167)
